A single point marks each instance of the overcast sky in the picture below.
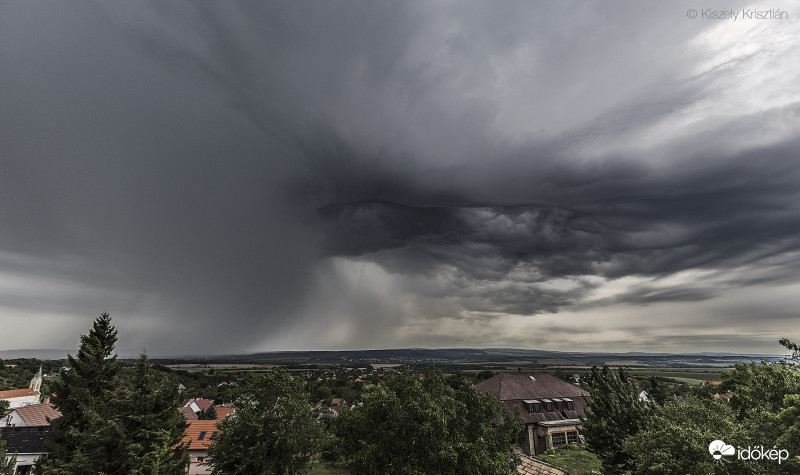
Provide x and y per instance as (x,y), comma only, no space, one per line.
(249,176)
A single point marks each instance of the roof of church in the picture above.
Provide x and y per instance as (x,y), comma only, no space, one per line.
(37,414)
(12,393)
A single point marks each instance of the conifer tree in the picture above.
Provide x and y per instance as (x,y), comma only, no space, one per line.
(615,413)
(88,437)
(208,414)
(153,425)
(109,427)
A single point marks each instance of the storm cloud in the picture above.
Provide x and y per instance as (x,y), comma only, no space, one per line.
(242,176)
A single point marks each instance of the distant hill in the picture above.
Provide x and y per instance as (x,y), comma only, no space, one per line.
(485,356)
(38,354)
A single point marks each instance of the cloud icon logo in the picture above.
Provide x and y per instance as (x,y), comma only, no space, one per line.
(718,448)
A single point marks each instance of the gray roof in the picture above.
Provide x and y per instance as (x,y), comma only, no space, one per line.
(520,386)
(26,440)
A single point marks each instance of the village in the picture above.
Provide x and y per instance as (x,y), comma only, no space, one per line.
(551,409)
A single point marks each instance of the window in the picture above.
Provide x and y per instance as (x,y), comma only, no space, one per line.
(202,435)
(572,437)
(559,439)
(214,435)
(549,407)
(537,407)
(569,405)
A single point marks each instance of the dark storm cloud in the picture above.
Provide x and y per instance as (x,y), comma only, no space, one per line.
(202,164)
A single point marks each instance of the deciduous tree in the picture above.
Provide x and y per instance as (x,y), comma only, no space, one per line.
(409,425)
(271,430)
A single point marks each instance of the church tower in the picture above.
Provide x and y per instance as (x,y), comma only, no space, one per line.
(36,382)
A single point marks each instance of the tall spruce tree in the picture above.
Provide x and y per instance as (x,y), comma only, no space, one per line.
(109,426)
(88,436)
(615,413)
(153,425)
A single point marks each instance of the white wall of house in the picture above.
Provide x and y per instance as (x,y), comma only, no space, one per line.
(13,419)
(14,402)
(25,460)
(195,466)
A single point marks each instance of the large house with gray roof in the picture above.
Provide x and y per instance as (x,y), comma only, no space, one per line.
(551,408)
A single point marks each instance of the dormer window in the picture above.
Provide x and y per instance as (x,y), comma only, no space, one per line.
(568,404)
(533,405)
(548,404)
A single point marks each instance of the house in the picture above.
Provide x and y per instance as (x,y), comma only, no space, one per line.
(28,443)
(551,408)
(188,413)
(198,404)
(197,438)
(23,397)
(31,415)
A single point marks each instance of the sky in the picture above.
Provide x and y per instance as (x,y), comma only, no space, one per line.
(232,177)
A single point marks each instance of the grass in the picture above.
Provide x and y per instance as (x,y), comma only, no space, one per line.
(319,467)
(575,459)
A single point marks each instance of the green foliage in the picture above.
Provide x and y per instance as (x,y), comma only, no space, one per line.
(412,426)
(675,438)
(88,437)
(208,414)
(272,431)
(575,459)
(7,463)
(615,413)
(108,424)
(761,387)
(153,425)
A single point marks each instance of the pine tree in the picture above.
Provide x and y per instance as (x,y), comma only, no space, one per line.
(208,414)
(88,437)
(615,413)
(153,425)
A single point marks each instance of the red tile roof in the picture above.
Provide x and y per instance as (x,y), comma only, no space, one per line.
(188,413)
(204,404)
(11,393)
(198,434)
(223,412)
(37,414)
